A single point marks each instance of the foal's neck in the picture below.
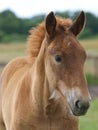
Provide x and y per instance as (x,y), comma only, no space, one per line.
(38,77)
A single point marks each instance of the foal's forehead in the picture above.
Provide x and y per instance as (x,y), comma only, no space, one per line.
(66,42)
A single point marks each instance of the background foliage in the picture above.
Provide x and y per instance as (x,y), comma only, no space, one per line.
(12,27)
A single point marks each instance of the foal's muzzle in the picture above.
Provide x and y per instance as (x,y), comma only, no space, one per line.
(80,107)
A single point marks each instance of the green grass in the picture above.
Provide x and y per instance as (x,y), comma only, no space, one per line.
(11,50)
(91,79)
(90,44)
(91,47)
(90,121)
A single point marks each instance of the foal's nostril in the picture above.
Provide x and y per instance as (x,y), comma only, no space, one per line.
(77,104)
(82,105)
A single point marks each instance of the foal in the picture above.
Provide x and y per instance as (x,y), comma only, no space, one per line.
(47,89)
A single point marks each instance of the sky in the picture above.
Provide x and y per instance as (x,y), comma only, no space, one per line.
(29,8)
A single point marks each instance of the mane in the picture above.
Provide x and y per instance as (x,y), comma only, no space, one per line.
(37,35)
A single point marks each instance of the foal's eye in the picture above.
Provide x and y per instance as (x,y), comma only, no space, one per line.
(58,58)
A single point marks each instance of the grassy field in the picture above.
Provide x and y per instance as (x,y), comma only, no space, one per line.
(91,47)
(90,121)
(12,50)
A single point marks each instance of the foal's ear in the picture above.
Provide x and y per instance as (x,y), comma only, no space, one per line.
(50,24)
(78,25)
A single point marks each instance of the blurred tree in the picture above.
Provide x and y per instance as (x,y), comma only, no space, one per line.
(8,22)
(92,23)
(63,14)
(11,24)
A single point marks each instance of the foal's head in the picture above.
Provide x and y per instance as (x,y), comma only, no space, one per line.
(64,63)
